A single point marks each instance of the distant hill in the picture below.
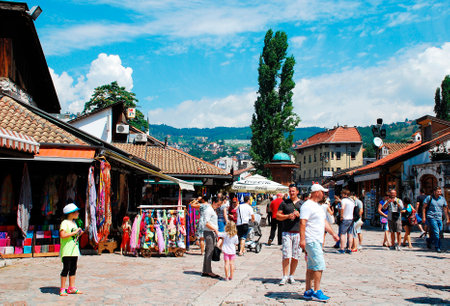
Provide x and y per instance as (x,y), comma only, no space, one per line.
(396,132)
(160,131)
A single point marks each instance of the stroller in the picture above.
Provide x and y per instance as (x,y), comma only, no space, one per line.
(254,235)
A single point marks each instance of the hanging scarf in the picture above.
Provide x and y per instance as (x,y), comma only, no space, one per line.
(6,203)
(104,217)
(91,196)
(50,197)
(25,202)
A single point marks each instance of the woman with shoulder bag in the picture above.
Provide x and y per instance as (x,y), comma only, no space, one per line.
(408,220)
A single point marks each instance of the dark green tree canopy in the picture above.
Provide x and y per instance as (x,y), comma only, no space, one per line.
(442,99)
(274,119)
(108,94)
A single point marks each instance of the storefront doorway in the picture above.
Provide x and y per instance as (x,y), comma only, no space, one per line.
(428,182)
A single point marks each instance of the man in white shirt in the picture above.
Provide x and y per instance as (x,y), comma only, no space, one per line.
(211,232)
(346,226)
(244,214)
(313,225)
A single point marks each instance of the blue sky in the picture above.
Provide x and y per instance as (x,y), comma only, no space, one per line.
(194,63)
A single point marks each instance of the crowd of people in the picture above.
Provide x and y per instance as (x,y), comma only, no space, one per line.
(302,222)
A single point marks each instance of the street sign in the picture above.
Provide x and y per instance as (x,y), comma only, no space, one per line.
(131,113)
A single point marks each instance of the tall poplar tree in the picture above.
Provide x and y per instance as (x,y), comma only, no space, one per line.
(442,99)
(274,120)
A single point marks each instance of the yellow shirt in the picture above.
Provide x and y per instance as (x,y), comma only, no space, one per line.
(69,247)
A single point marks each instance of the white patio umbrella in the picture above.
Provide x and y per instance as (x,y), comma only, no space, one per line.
(258,184)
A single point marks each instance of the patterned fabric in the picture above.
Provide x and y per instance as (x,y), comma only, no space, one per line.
(104,217)
(25,202)
(91,196)
(50,197)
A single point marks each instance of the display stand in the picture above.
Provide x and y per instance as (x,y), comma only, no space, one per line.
(176,251)
(110,246)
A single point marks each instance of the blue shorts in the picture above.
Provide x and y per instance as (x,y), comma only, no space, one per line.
(316,260)
(346,227)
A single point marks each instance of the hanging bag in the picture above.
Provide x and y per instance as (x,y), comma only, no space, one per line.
(216,254)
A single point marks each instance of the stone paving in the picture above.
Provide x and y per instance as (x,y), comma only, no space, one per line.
(375,275)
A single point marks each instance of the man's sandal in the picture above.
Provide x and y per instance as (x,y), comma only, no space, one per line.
(63,292)
(73,290)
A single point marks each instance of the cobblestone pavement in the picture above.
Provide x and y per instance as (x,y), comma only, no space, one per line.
(375,275)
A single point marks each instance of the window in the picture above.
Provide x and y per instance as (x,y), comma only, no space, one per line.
(315,159)
(332,155)
(338,155)
(338,146)
(309,173)
(353,155)
(309,158)
(304,174)
(315,173)
(338,169)
(304,159)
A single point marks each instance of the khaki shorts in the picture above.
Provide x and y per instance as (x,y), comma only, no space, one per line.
(395,226)
(291,245)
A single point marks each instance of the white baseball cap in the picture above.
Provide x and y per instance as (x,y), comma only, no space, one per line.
(318,187)
(70,208)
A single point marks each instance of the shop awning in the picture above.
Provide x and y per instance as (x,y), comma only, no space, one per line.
(18,141)
(367,177)
(182,184)
(166,182)
(66,154)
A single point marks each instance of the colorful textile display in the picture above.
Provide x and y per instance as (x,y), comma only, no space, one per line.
(161,229)
(71,187)
(6,203)
(104,217)
(134,238)
(25,202)
(50,197)
(90,217)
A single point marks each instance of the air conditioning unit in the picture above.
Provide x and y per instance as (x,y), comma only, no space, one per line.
(140,138)
(122,129)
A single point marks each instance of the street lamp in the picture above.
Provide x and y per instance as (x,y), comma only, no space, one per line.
(379,133)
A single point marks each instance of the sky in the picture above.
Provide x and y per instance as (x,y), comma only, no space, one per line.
(194,63)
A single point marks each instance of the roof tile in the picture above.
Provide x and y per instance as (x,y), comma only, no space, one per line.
(339,134)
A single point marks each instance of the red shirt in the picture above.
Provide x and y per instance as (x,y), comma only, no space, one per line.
(274,207)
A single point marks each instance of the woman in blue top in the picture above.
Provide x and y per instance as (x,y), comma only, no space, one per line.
(384,220)
(406,213)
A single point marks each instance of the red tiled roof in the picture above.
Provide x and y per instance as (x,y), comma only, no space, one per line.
(340,134)
(170,160)
(394,147)
(17,118)
(238,172)
(414,147)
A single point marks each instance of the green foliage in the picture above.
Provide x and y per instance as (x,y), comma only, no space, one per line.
(108,94)
(442,100)
(274,120)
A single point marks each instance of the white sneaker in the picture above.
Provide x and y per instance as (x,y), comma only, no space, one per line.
(283,280)
(291,279)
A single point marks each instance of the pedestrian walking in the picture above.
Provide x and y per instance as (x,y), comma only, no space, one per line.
(408,221)
(232,210)
(275,223)
(394,206)
(211,233)
(419,208)
(434,208)
(200,204)
(229,242)
(69,234)
(289,215)
(346,226)
(358,212)
(244,215)
(222,214)
(384,220)
(313,225)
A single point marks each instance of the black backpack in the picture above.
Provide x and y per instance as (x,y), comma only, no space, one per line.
(356,211)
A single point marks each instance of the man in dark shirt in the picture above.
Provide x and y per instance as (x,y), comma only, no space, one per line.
(289,214)
(419,209)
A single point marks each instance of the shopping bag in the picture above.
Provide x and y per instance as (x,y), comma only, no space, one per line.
(216,254)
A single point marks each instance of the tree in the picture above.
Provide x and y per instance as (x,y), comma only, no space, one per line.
(108,94)
(442,99)
(274,120)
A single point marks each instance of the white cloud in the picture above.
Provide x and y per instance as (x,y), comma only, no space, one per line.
(297,41)
(103,70)
(402,87)
(184,20)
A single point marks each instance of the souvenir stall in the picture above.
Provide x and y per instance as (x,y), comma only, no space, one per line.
(160,230)
(32,195)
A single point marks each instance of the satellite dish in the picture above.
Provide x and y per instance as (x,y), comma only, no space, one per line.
(378,142)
